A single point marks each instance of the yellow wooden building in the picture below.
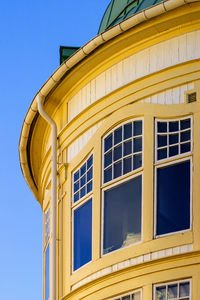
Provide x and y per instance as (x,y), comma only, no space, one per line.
(110,147)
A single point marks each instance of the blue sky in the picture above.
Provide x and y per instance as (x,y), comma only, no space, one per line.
(30,35)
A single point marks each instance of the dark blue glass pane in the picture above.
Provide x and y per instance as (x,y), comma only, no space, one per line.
(173,126)
(162,126)
(184,289)
(89,187)
(83,180)
(173,138)
(82,192)
(137,128)
(122,215)
(117,152)
(76,197)
(47,273)
(108,142)
(173,151)
(127,164)
(127,131)
(128,147)
(162,140)
(162,153)
(76,186)
(107,159)
(118,135)
(117,169)
(173,198)
(83,234)
(185,136)
(137,144)
(185,148)
(137,161)
(173,291)
(83,169)
(161,293)
(185,124)
(76,176)
(89,162)
(89,174)
(108,175)
(129,297)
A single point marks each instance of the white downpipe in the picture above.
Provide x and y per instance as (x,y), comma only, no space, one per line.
(53,196)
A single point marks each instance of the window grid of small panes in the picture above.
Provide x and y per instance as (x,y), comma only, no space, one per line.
(172,138)
(175,290)
(132,296)
(123,150)
(83,180)
(47,225)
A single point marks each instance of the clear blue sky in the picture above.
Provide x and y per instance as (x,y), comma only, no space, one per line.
(31,32)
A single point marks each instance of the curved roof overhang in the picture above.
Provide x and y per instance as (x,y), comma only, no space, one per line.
(58,76)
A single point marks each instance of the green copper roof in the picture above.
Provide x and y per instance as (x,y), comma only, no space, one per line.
(119,10)
(66,52)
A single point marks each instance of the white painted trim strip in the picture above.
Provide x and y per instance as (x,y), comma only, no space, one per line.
(135,261)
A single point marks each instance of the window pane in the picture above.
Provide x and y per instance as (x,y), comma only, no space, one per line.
(173,198)
(108,175)
(128,147)
(108,143)
(162,126)
(83,234)
(117,169)
(76,186)
(162,153)
(118,135)
(108,159)
(161,293)
(162,140)
(137,144)
(83,169)
(185,136)
(47,273)
(127,164)
(83,180)
(76,176)
(118,152)
(173,139)
(173,151)
(89,174)
(83,192)
(127,131)
(173,126)
(126,297)
(89,162)
(89,187)
(185,148)
(137,161)
(184,289)
(172,291)
(76,197)
(137,129)
(122,215)
(185,124)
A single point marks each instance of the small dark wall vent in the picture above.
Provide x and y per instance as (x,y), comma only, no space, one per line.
(191,97)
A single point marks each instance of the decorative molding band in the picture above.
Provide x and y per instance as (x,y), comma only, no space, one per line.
(134,262)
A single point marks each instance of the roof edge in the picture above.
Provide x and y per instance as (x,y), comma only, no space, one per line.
(82,53)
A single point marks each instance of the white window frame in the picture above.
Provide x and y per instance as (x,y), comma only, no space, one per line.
(173,282)
(140,173)
(175,132)
(76,206)
(103,154)
(173,162)
(128,294)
